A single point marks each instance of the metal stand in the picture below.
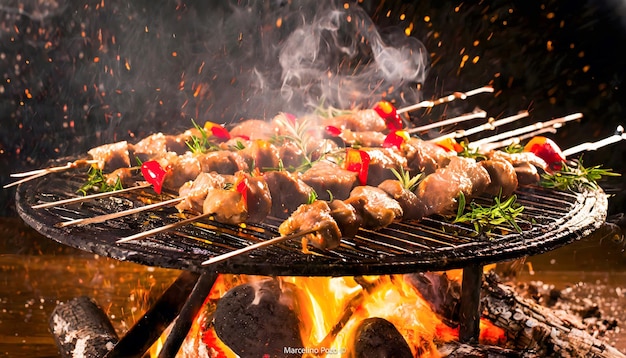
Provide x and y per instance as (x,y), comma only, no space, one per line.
(188,314)
(469,320)
(184,296)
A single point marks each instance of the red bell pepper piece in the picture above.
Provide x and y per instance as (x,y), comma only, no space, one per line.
(333,131)
(242,187)
(546,149)
(358,161)
(396,139)
(387,111)
(217,130)
(154,174)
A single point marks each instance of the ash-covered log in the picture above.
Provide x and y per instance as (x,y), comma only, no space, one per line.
(81,329)
(461,350)
(534,328)
(253,320)
(378,338)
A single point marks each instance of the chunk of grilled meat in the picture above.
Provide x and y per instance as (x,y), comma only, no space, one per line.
(194,192)
(111,156)
(503,177)
(126,176)
(227,206)
(439,191)
(325,177)
(182,168)
(357,121)
(407,199)
(288,192)
(260,154)
(346,217)
(316,216)
(382,160)
(527,174)
(526,164)
(258,197)
(376,208)
(222,162)
(425,157)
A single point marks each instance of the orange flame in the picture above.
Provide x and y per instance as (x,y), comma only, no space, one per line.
(330,311)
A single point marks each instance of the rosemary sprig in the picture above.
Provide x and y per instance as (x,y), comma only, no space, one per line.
(297,132)
(514,148)
(471,153)
(200,144)
(237,146)
(406,180)
(484,219)
(97,181)
(312,197)
(578,177)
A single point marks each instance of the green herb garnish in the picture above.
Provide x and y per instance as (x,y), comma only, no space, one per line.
(514,148)
(297,131)
(312,197)
(200,144)
(238,146)
(470,153)
(97,181)
(578,177)
(484,219)
(406,180)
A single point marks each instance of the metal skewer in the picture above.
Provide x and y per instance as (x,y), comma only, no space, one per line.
(89,197)
(69,165)
(516,140)
(618,136)
(102,218)
(34,174)
(259,245)
(557,122)
(465,117)
(448,98)
(157,230)
(490,125)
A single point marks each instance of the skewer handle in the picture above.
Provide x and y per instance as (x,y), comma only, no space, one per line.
(89,197)
(618,136)
(465,117)
(101,218)
(259,245)
(448,98)
(157,230)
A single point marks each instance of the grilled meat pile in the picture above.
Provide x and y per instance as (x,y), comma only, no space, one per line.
(308,177)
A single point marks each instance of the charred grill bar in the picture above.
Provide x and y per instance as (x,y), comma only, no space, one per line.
(431,244)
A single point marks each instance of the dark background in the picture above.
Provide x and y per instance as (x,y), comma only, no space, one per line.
(75,74)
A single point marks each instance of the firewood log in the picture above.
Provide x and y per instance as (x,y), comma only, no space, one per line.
(81,329)
(531,327)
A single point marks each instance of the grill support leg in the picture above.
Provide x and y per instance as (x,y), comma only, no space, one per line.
(188,314)
(469,325)
(149,328)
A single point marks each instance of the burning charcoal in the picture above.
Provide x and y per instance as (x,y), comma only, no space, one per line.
(377,337)
(253,321)
(441,293)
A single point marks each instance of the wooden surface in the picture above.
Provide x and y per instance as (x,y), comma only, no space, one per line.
(36,273)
